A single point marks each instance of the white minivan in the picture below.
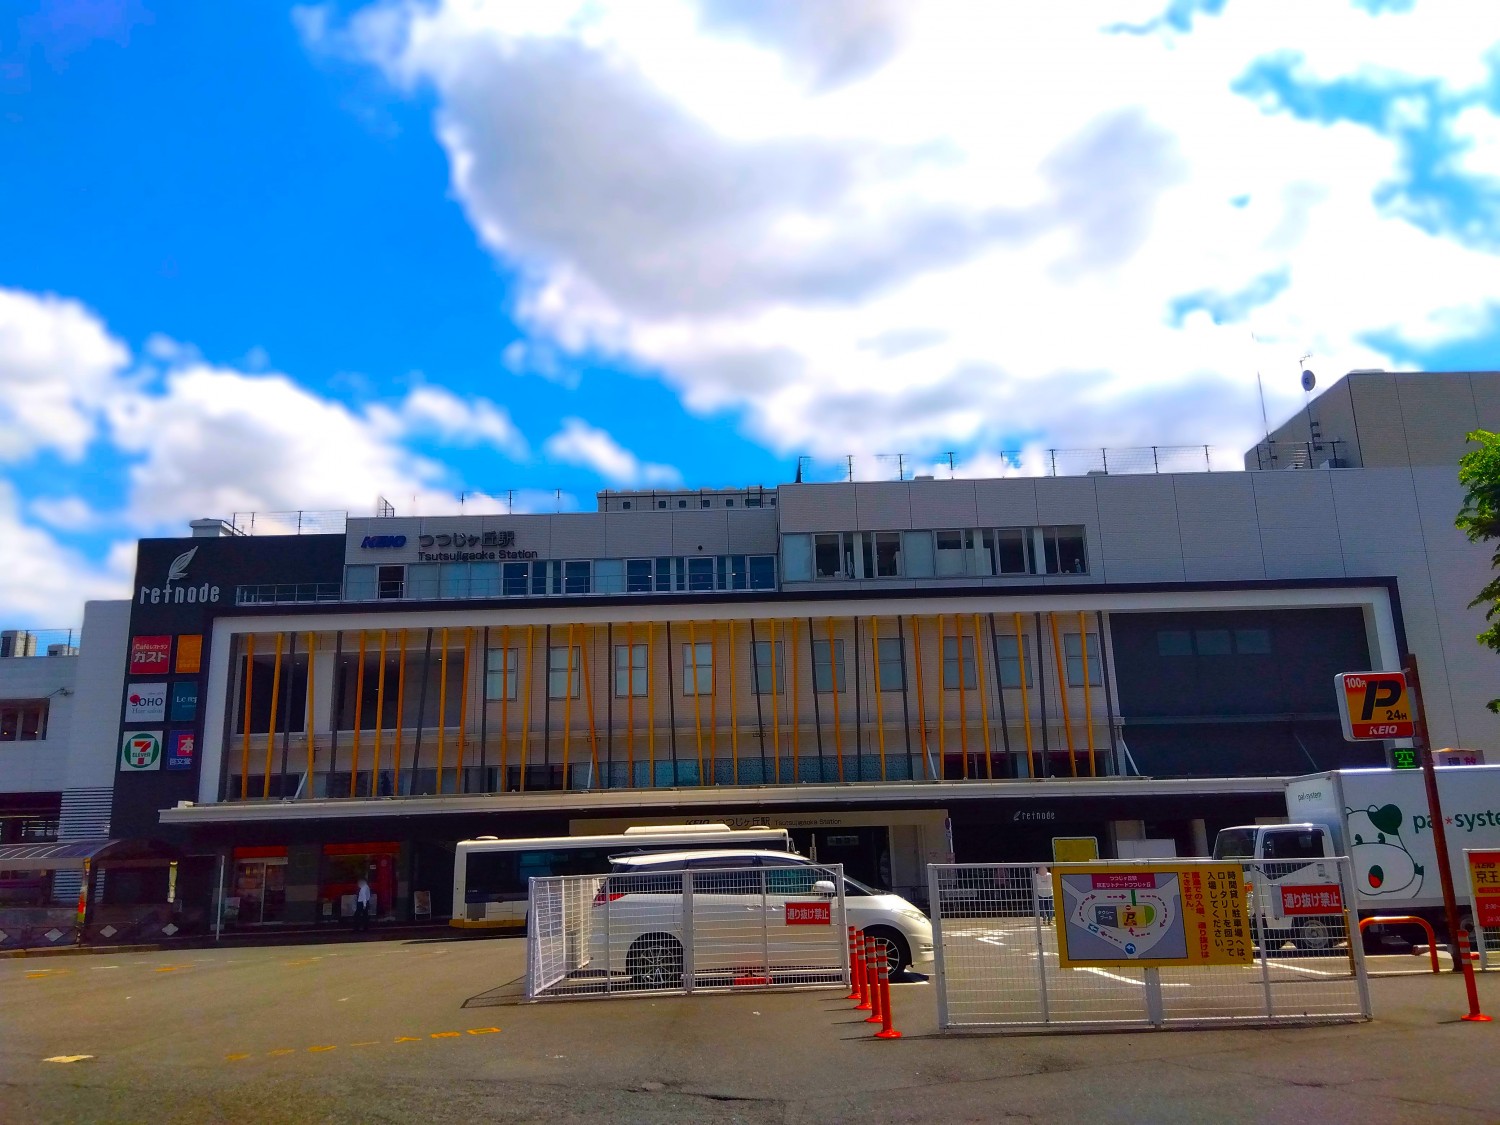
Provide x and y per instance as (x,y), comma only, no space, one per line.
(740,899)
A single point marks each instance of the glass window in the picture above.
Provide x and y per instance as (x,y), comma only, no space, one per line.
(500,673)
(1012,550)
(752,501)
(887,554)
(539,578)
(762,572)
(1174,642)
(637,576)
(700,573)
(791,880)
(729,501)
(390,582)
(24,721)
(630,670)
(986,560)
(682,503)
(576,576)
(764,660)
(1064,550)
(664,576)
(1073,659)
(559,684)
(1252,642)
(455,580)
(824,672)
(1294,844)
(827,556)
(950,553)
(484,579)
(738,575)
(513,579)
(704,503)
(916,552)
(1015,653)
(661,503)
(959,660)
(625,504)
(1212,642)
(891,654)
(698,668)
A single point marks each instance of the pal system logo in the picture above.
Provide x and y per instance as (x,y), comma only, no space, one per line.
(140,750)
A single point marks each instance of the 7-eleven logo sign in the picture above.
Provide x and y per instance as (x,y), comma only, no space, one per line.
(141,750)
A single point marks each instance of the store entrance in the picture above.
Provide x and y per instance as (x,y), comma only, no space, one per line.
(260,889)
(864,852)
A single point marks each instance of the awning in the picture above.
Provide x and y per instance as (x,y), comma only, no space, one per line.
(69,855)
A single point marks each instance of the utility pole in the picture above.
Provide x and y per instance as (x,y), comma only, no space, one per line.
(1434,807)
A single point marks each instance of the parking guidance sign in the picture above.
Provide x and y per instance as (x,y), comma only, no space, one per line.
(1153,917)
(1374,705)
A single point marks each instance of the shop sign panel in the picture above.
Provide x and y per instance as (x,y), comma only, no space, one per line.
(181,749)
(140,750)
(185,701)
(149,655)
(1484,878)
(145,703)
(189,654)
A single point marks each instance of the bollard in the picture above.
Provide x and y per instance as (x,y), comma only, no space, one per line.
(884,969)
(866,1001)
(873,950)
(856,971)
(1475,1015)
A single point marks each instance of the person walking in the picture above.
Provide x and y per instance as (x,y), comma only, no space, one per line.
(362,906)
(1041,881)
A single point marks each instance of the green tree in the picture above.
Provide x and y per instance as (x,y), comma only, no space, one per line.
(1479,519)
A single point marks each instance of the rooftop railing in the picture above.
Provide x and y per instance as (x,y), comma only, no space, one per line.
(289,523)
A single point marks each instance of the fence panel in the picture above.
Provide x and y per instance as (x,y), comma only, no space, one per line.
(687,930)
(998,954)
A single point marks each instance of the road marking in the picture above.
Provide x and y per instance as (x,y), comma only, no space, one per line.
(365,1043)
(316,1049)
(444,1035)
(67,1058)
(237,1057)
(491,1030)
(40,974)
(324,1048)
(1128,980)
(408,1039)
(1305,969)
(280,1051)
(168,968)
(98,967)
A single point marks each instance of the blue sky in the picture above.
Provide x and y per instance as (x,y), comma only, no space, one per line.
(261,257)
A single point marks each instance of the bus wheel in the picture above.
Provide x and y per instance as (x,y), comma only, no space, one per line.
(655,961)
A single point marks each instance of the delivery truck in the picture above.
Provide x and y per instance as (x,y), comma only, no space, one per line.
(1379,819)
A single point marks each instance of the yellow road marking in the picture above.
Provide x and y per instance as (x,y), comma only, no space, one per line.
(237,1057)
(444,1035)
(408,1039)
(38,974)
(365,1043)
(282,1051)
(334,1048)
(169,968)
(322,1048)
(483,1030)
(67,1058)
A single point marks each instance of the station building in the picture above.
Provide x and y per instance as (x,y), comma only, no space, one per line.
(900,672)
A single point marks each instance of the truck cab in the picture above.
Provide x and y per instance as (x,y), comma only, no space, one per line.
(1281,856)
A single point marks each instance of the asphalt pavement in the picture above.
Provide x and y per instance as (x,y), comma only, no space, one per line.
(434,1030)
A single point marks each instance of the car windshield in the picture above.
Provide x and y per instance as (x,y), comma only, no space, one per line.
(1235,843)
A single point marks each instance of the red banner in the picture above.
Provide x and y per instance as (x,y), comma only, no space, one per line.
(1484,874)
(809,914)
(1312,898)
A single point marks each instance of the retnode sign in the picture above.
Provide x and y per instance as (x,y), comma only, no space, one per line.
(1374,705)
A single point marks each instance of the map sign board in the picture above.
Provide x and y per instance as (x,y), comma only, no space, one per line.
(1153,916)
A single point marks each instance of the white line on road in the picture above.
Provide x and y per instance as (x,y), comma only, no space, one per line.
(1129,980)
(1305,969)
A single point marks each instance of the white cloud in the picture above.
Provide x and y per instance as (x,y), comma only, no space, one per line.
(754,200)
(578,443)
(1479,129)
(66,513)
(57,362)
(46,583)
(459,421)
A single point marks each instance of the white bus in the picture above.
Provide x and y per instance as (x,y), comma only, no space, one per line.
(492,877)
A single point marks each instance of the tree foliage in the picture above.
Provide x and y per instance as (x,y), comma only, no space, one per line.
(1479,519)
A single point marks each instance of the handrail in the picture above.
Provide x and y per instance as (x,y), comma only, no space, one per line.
(1423,922)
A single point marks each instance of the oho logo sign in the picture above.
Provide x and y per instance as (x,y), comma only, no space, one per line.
(140,750)
(146,703)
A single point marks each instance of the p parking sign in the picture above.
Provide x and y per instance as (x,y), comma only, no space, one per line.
(1374,705)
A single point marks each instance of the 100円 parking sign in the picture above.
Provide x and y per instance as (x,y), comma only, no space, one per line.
(1127,914)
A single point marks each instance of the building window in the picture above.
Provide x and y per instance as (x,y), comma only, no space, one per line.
(1212,642)
(765,660)
(577,576)
(700,573)
(762,572)
(390,582)
(23,720)
(1064,550)
(1174,642)
(825,673)
(752,501)
(513,579)
(625,505)
(1013,551)
(559,684)
(828,556)
(539,579)
(661,503)
(1252,642)
(950,552)
(698,668)
(958,660)
(891,654)
(682,503)
(630,670)
(705,503)
(664,576)
(1073,659)
(882,554)
(500,673)
(729,501)
(637,576)
(1015,652)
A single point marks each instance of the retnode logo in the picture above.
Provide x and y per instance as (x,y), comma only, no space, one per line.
(180,594)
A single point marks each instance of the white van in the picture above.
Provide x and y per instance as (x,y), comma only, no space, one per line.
(642,898)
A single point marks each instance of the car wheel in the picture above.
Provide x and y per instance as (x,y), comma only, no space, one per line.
(655,961)
(896,954)
(1313,935)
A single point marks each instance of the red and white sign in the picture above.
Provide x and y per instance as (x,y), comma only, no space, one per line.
(1374,705)
(1312,898)
(150,655)
(809,914)
(1484,876)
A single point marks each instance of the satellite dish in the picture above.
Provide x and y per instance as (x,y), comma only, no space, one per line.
(1309,380)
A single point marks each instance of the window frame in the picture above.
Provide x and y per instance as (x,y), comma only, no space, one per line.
(833,671)
(506,667)
(696,670)
(631,670)
(556,668)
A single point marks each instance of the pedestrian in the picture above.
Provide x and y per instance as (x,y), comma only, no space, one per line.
(362,906)
(1041,881)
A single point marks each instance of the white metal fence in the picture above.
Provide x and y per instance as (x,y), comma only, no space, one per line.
(998,960)
(686,930)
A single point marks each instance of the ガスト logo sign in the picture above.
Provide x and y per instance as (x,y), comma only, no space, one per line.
(149,654)
(140,750)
